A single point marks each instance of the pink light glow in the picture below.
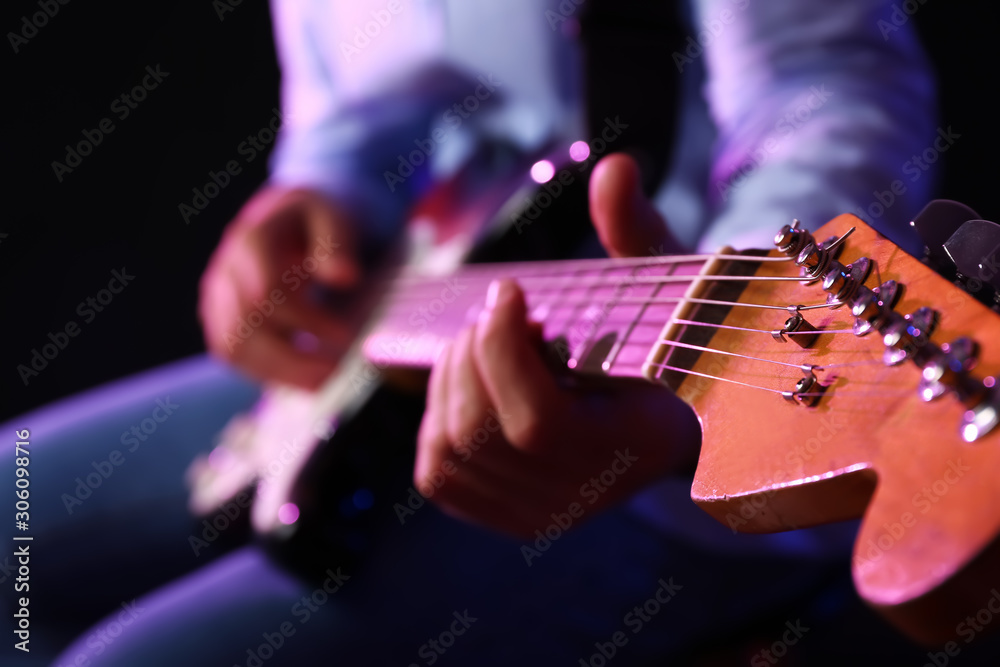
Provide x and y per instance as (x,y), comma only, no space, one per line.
(542,171)
(288,513)
(579,151)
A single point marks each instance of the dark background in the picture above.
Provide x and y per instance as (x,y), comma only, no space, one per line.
(119,208)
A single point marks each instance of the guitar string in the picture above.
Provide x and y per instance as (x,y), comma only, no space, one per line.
(822,367)
(657,282)
(844,364)
(701,348)
(670,262)
(599,263)
(767,331)
(656,259)
(594,325)
(612,357)
(645,301)
(633,321)
(547,305)
(666,367)
(529,283)
(536,284)
(619,281)
(666,300)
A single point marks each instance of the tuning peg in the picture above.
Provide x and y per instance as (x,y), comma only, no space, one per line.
(975,251)
(935,224)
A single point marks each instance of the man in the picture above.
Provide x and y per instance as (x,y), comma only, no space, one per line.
(785,111)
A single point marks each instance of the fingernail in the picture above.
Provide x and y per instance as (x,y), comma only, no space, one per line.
(493,294)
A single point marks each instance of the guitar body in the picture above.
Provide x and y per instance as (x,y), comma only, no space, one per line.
(926,554)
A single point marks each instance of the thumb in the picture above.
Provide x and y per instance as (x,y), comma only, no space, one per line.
(626,222)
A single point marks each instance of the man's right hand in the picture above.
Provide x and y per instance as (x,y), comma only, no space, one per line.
(255,304)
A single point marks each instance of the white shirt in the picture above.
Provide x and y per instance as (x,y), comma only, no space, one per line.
(800,109)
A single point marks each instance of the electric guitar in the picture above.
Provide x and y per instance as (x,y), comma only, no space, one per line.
(835,376)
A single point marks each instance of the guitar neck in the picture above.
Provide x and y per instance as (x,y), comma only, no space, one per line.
(604,316)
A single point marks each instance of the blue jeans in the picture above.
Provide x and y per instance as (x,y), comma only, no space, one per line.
(111,551)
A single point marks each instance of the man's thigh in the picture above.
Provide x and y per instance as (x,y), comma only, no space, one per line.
(107,499)
(439,591)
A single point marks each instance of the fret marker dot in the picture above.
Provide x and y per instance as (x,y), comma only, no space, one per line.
(542,171)
(579,151)
(288,513)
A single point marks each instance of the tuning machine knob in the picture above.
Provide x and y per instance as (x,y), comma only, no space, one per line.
(983,417)
(872,307)
(908,336)
(944,370)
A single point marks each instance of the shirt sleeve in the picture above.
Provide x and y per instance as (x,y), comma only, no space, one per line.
(380,100)
(819,109)
(344,122)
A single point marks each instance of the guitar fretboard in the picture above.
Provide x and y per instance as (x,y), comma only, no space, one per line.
(603,315)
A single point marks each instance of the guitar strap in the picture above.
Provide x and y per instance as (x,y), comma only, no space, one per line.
(629,79)
(628,48)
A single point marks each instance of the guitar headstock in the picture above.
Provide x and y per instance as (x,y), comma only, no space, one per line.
(888,413)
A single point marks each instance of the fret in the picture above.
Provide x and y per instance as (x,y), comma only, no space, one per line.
(662,354)
(543,306)
(607,311)
(607,317)
(609,361)
(584,318)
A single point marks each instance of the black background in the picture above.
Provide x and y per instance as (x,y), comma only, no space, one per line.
(119,208)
